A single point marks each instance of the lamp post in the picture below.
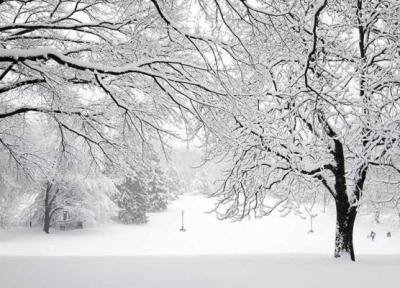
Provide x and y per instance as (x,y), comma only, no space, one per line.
(182,227)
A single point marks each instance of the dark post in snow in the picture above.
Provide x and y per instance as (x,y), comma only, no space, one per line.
(311,224)
(182,227)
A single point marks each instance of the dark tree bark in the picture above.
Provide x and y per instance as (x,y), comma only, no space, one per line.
(346,211)
(46,225)
(345,218)
(49,206)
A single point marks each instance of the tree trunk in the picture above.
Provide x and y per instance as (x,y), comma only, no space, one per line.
(345,217)
(47,219)
(47,208)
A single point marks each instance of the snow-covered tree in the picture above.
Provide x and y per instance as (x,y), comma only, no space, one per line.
(132,200)
(144,185)
(158,193)
(316,100)
(98,69)
(99,76)
(10,192)
(381,195)
(84,197)
(201,184)
(66,180)
(174,183)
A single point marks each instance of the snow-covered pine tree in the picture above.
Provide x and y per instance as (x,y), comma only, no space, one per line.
(175,184)
(158,193)
(132,200)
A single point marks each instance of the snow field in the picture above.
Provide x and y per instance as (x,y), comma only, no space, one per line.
(204,235)
(219,271)
(269,252)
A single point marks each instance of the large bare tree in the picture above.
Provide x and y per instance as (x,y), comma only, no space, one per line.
(98,69)
(318,108)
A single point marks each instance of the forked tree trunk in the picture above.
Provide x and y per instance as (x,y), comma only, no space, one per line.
(345,218)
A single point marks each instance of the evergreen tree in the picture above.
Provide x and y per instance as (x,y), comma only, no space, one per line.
(158,192)
(132,200)
(174,183)
(146,187)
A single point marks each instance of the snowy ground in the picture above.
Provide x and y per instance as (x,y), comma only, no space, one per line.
(273,251)
(241,271)
(205,235)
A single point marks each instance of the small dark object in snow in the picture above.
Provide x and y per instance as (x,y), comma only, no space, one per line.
(79,225)
(388,234)
(372,235)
